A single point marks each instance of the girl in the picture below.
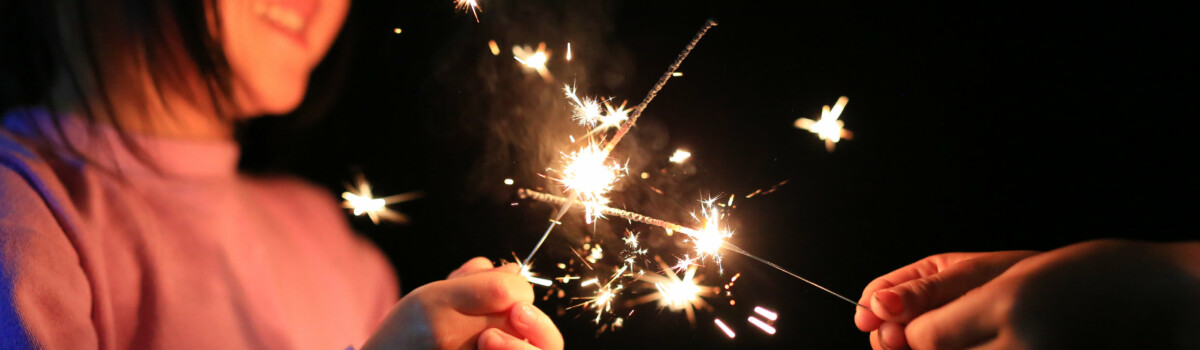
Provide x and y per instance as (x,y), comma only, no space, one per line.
(123,220)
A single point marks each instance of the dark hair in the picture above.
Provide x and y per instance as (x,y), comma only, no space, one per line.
(69,55)
(73,53)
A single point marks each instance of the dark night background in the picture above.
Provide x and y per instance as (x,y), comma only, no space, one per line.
(978,126)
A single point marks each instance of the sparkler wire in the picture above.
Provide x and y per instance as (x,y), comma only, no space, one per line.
(637,112)
(628,215)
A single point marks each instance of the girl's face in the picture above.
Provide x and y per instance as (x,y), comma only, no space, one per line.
(272,47)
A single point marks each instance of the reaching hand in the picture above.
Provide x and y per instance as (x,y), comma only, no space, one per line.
(900,296)
(1092,295)
(476,306)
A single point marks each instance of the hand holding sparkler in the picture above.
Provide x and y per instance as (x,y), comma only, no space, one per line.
(476,306)
(1104,294)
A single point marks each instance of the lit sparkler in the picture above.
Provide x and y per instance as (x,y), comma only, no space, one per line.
(468,5)
(628,215)
(539,63)
(828,128)
(359,199)
(678,293)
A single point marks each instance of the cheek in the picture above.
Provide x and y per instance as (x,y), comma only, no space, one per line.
(271,67)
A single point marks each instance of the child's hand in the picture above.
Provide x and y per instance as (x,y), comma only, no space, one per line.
(900,296)
(1092,295)
(476,306)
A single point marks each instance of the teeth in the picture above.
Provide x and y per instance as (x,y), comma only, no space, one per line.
(282,16)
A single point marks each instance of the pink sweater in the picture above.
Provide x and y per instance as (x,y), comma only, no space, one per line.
(111,254)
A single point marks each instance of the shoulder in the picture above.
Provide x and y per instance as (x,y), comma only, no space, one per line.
(43,279)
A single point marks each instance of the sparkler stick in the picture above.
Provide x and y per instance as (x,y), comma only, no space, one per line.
(628,215)
(637,112)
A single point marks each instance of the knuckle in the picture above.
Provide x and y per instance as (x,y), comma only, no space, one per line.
(496,288)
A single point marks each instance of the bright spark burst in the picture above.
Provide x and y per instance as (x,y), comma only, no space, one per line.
(590,175)
(468,5)
(534,59)
(710,239)
(586,110)
(359,199)
(680,156)
(828,128)
(679,294)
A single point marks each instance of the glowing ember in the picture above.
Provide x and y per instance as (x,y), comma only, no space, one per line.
(762,325)
(468,5)
(828,128)
(768,314)
(534,59)
(680,156)
(495,48)
(397,30)
(724,328)
(508,182)
(568,51)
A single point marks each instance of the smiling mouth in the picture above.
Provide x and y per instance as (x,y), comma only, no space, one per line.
(286,18)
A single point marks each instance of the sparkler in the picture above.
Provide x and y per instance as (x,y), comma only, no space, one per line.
(628,215)
(468,5)
(359,199)
(539,63)
(828,128)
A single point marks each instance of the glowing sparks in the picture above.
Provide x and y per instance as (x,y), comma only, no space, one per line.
(468,5)
(495,48)
(590,174)
(711,238)
(728,332)
(359,199)
(761,325)
(568,52)
(397,30)
(678,294)
(534,59)
(680,156)
(532,278)
(508,182)
(828,128)
(768,314)
(677,74)
(586,110)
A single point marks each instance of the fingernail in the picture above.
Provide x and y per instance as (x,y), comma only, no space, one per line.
(526,315)
(890,301)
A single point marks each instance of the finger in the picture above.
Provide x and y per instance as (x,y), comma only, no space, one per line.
(535,326)
(478,263)
(904,302)
(486,292)
(495,339)
(876,344)
(968,321)
(867,321)
(891,335)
